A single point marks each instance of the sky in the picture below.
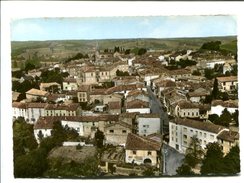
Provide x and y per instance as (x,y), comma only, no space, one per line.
(122,27)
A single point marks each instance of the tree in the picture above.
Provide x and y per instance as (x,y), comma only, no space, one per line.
(215,91)
(212,45)
(58,133)
(99,137)
(232,161)
(185,170)
(209,73)
(213,160)
(225,118)
(148,172)
(196,73)
(30,165)
(194,153)
(23,137)
(235,116)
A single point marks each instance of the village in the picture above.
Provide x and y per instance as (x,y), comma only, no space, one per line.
(114,112)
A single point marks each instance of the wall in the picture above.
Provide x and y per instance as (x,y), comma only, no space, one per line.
(140,156)
(148,126)
(140,110)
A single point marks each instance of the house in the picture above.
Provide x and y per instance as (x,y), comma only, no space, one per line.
(162,85)
(52,87)
(128,117)
(56,98)
(114,107)
(228,83)
(116,133)
(148,124)
(70,84)
(103,74)
(72,109)
(114,97)
(137,94)
(182,130)
(142,150)
(199,95)
(89,76)
(179,73)
(43,127)
(19,109)
(187,109)
(228,139)
(100,108)
(34,94)
(85,125)
(97,95)
(83,93)
(217,106)
(35,111)
(137,106)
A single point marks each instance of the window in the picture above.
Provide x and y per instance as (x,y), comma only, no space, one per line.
(205,135)
(172,138)
(176,140)
(185,136)
(192,113)
(176,127)
(211,137)
(184,129)
(149,153)
(200,133)
(191,131)
(134,152)
(123,131)
(111,131)
(204,142)
(185,142)
(176,133)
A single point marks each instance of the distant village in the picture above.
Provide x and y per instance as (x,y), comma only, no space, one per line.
(129,114)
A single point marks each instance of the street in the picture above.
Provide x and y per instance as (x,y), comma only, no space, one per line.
(156,107)
(173,159)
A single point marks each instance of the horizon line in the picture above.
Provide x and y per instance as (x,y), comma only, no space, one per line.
(122,38)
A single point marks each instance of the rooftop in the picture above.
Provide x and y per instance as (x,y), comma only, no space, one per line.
(136,142)
(230,136)
(205,126)
(227,79)
(36,92)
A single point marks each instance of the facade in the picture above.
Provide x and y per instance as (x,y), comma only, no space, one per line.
(141,150)
(182,130)
(116,133)
(52,87)
(137,106)
(148,124)
(228,139)
(83,93)
(34,111)
(70,84)
(228,84)
(34,94)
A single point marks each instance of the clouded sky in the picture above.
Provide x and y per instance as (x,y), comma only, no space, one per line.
(122,27)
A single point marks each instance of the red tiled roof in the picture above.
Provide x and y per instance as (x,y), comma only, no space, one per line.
(36,92)
(136,142)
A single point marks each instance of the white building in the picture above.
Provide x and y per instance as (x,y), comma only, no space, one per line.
(148,124)
(70,84)
(229,83)
(181,132)
(137,106)
(19,110)
(218,106)
(34,111)
(76,125)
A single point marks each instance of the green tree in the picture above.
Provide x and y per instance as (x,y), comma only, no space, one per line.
(213,160)
(30,165)
(23,137)
(215,91)
(194,153)
(225,118)
(184,170)
(232,161)
(99,137)
(148,172)
(196,73)
(235,117)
